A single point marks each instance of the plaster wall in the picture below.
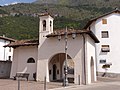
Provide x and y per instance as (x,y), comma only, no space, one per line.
(21,55)
(90,55)
(52,46)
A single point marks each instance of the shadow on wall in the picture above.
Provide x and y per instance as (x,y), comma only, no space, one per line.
(51,46)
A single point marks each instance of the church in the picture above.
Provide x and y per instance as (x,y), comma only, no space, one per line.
(46,57)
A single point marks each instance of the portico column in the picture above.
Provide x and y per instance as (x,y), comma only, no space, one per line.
(42,70)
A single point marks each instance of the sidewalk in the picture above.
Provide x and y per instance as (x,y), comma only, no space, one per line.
(75,87)
(103,83)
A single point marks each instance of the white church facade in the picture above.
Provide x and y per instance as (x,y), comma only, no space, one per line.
(107,30)
(46,56)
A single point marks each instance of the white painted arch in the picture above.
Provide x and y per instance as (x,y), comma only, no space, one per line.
(59,60)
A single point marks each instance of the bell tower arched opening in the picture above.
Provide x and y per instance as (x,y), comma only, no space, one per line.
(44,25)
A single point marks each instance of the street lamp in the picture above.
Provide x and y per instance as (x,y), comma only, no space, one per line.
(65,80)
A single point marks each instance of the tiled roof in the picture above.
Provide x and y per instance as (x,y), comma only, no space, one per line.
(44,14)
(94,19)
(6,38)
(22,43)
(54,34)
(71,31)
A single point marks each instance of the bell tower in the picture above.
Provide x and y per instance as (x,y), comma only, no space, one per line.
(45,28)
(45,25)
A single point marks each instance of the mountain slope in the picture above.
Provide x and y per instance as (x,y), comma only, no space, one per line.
(99,3)
(19,27)
(71,13)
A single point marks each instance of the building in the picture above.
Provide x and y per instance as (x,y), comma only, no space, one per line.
(107,28)
(46,56)
(6,53)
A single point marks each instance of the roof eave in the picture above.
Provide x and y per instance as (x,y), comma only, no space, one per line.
(20,45)
(90,33)
(8,39)
(94,19)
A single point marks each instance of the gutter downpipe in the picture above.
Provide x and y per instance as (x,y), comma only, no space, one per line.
(84,58)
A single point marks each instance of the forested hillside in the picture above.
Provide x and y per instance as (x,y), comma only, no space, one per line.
(97,3)
(19,27)
(71,13)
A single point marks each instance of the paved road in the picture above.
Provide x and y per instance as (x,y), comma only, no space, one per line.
(7,84)
(102,84)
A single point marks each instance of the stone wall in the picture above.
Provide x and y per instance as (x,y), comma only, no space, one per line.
(5,68)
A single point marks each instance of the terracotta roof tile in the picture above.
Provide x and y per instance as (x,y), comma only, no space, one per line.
(71,31)
(22,43)
(8,39)
(54,34)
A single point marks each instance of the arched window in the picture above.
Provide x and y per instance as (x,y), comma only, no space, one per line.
(44,25)
(31,60)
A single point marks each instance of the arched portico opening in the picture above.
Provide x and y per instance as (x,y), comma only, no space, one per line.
(56,68)
(92,69)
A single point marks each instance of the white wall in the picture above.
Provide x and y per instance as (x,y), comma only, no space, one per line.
(5,52)
(90,53)
(52,46)
(49,48)
(21,55)
(113,28)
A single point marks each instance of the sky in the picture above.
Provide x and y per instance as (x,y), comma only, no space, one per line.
(7,2)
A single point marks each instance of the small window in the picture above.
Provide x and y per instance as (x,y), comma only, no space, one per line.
(104,21)
(102,61)
(105,34)
(30,60)
(105,48)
